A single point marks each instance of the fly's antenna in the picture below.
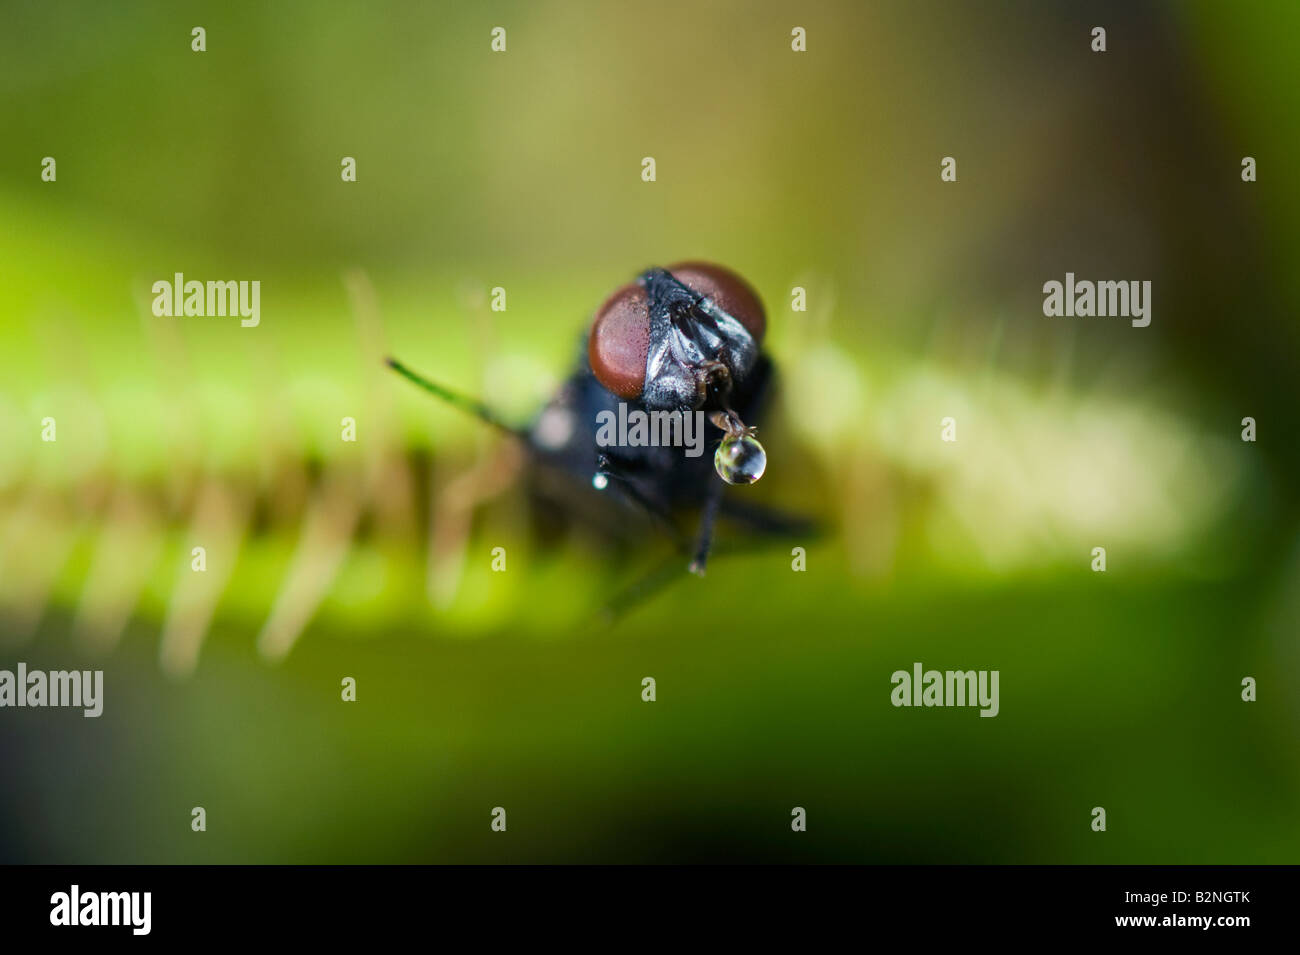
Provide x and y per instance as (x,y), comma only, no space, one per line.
(469,405)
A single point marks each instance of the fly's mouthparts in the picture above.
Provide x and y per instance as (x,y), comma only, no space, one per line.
(729,422)
(715,378)
(740,458)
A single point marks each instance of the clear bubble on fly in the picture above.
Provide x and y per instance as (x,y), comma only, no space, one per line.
(740,459)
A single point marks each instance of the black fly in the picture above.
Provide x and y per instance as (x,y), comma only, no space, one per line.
(681,340)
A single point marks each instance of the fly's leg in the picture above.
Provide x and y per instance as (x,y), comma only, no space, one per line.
(642,589)
(704,537)
(767,522)
(608,468)
(768,526)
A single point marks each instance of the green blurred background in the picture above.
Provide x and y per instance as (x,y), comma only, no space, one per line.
(522,170)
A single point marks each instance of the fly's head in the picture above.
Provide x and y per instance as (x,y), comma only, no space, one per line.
(685,338)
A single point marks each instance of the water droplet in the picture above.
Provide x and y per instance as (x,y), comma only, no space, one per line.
(740,459)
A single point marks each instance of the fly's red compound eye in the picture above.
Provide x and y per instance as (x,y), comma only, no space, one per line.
(725,289)
(620,341)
